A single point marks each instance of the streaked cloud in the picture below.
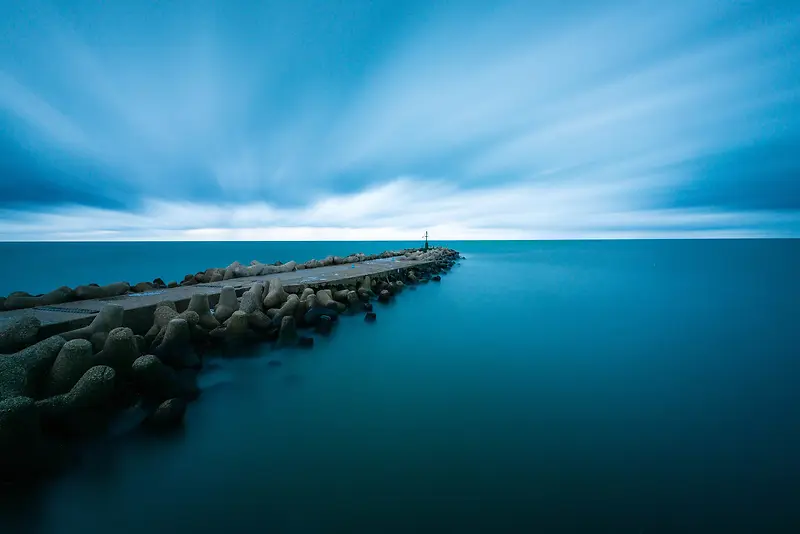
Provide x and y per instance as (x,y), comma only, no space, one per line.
(382,119)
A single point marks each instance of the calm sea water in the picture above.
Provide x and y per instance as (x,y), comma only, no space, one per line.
(627,387)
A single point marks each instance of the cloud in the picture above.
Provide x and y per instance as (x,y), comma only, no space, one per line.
(618,118)
(403,210)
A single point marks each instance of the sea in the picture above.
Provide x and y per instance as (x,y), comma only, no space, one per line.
(632,386)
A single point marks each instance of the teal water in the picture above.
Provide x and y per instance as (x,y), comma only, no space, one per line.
(626,387)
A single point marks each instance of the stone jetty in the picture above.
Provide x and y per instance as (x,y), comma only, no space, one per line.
(71,360)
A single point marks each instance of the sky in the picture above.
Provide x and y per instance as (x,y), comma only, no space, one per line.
(379,120)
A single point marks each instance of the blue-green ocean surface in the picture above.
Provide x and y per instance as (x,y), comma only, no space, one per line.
(606,386)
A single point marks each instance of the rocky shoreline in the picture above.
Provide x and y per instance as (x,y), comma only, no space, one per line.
(58,391)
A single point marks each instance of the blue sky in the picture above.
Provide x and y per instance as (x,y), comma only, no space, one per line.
(380,120)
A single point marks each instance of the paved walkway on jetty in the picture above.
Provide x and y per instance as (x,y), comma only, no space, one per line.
(139,307)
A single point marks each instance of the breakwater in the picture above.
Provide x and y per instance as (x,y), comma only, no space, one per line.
(56,390)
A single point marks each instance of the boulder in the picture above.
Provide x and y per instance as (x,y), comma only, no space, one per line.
(175,349)
(234,270)
(258,320)
(370,317)
(142,287)
(159,283)
(341,296)
(307,292)
(172,284)
(24,373)
(287,310)
(97,292)
(324,324)
(353,302)
(276,296)
(314,315)
(437,278)
(384,296)
(119,351)
(287,335)
(109,318)
(199,304)
(73,360)
(140,343)
(238,324)
(94,389)
(18,333)
(169,414)
(227,304)
(325,299)
(251,300)
(98,341)
(154,380)
(367,306)
(20,300)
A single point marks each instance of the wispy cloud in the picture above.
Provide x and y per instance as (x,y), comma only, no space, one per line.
(520,120)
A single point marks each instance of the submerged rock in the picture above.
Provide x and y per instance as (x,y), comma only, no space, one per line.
(287,335)
(370,317)
(169,414)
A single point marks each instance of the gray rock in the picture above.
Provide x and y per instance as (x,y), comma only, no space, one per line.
(227,304)
(155,380)
(119,351)
(175,349)
(94,389)
(324,324)
(73,360)
(23,374)
(234,270)
(98,292)
(142,287)
(19,333)
(287,310)
(98,340)
(172,284)
(276,296)
(384,296)
(258,320)
(109,318)
(353,302)
(238,324)
(169,414)
(341,296)
(325,299)
(307,292)
(199,304)
(24,300)
(251,300)
(287,335)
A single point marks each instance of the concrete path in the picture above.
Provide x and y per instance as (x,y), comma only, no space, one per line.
(139,307)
